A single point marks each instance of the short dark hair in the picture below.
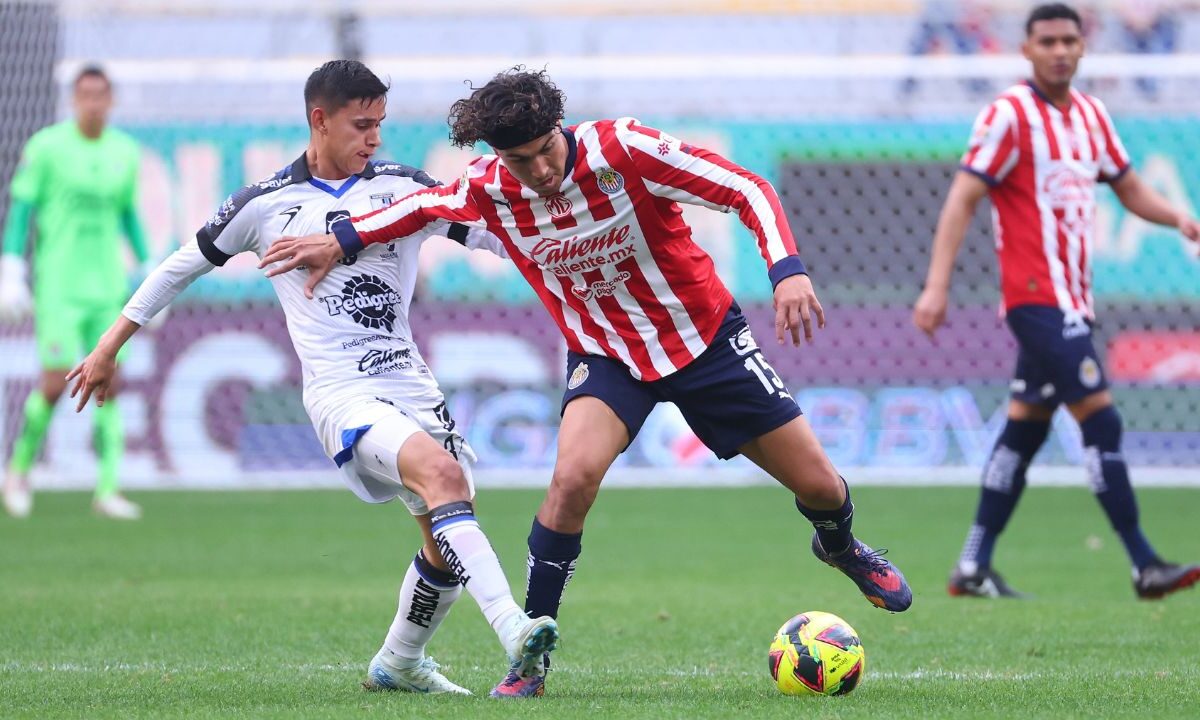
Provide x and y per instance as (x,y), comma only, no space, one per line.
(337,83)
(91,70)
(1051,11)
(516,104)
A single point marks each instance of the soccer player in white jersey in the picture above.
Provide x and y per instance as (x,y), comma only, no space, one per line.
(589,215)
(1038,152)
(375,406)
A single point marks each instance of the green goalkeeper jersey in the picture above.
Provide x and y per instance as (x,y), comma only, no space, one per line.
(83,192)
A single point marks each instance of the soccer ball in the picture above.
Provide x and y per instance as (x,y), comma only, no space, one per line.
(817,653)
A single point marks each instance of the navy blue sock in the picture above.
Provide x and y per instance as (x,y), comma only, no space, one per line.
(552,557)
(1001,488)
(832,526)
(1109,478)
(433,574)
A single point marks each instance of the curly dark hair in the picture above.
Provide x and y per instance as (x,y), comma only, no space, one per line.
(515,105)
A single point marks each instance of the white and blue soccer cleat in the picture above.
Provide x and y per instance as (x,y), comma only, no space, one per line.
(420,677)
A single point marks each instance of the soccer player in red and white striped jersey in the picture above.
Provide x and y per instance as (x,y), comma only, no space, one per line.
(1039,151)
(590,215)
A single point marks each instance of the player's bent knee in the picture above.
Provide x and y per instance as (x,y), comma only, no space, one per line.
(572,491)
(442,479)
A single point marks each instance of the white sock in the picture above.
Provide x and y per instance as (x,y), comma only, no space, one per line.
(425,599)
(471,558)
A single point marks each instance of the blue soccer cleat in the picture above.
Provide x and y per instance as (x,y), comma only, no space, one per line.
(879,580)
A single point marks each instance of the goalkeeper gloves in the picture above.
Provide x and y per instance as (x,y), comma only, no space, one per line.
(15,301)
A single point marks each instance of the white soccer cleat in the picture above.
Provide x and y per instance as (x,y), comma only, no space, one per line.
(115,506)
(18,497)
(420,677)
(526,641)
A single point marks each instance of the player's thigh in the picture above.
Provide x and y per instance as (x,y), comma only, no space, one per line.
(59,328)
(731,395)
(399,453)
(428,469)
(590,438)
(603,409)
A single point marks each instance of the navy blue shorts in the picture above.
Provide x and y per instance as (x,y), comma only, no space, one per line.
(728,396)
(1057,362)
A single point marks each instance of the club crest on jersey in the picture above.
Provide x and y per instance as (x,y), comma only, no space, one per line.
(578,376)
(559,206)
(609,181)
(368,300)
(382,200)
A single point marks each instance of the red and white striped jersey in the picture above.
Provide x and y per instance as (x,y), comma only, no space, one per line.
(1042,164)
(610,255)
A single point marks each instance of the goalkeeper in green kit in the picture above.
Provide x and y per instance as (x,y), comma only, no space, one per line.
(77,181)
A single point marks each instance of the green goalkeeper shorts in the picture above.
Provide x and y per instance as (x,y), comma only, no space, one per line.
(67,331)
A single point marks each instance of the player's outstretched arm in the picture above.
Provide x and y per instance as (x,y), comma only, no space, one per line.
(94,376)
(1145,202)
(966,191)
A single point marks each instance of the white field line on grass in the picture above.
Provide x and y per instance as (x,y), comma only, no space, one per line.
(53,478)
(693,672)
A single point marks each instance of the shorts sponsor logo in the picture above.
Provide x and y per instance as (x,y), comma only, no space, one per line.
(378,362)
(368,300)
(578,376)
(1047,390)
(559,206)
(600,288)
(1075,329)
(609,181)
(1089,373)
(1018,386)
(442,413)
(743,343)
(575,254)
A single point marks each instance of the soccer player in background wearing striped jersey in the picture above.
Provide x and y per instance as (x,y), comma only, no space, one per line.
(589,214)
(1038,152)
(78,181)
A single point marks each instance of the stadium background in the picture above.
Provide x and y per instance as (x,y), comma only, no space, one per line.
(856,110)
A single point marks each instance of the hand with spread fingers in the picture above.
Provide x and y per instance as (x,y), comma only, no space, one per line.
(93,376)
(796,306)
(317,253)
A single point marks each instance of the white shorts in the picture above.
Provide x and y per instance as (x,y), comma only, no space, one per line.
(367,434)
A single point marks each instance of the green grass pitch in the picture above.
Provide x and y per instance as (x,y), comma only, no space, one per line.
(269,605)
